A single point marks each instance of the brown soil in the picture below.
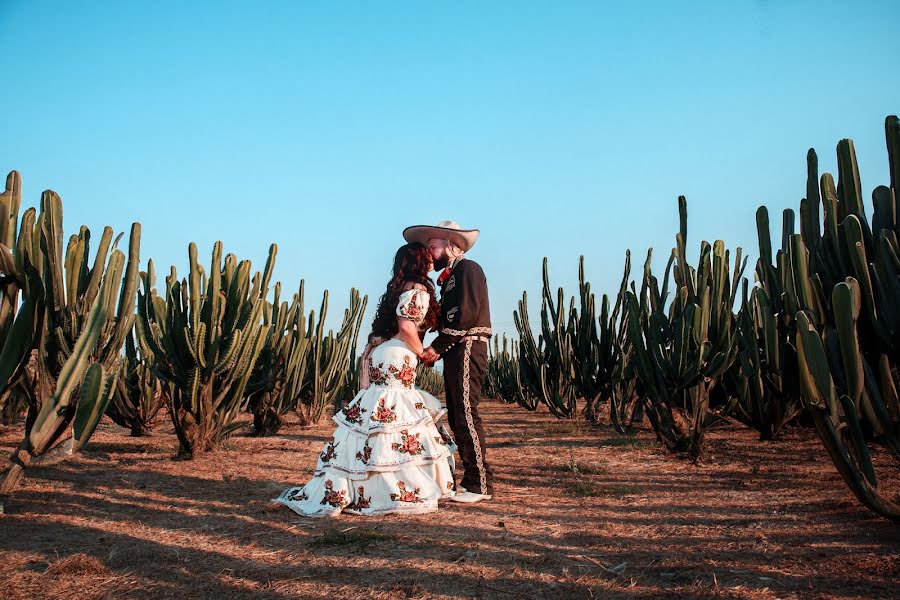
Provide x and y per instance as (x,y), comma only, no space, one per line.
(579,512)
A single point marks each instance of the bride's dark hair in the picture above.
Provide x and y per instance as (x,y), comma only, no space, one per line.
(410,266)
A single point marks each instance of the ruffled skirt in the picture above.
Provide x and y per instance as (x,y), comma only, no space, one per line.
(387,455)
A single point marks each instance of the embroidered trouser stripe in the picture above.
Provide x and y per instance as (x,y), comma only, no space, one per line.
(467,405)
(464,368)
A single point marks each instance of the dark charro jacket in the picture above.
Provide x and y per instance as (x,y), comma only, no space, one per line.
(464,305)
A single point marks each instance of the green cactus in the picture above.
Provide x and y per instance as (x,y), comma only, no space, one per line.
(429,380)
(84,323)
(764,387)
(502,380)
(139,394)
(530,357)
(205,338)
(21,290)
(329,360)
(81,393)
(548,365)
(682,353)
(833,294)
(846,405)
(278,378)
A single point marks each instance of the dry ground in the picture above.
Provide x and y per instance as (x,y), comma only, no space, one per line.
(580,512)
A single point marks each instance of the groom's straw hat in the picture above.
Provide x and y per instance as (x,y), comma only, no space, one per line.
(445,230)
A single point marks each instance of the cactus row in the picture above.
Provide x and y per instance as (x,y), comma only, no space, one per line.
(819,332)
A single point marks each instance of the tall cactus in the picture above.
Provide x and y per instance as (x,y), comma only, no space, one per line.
(278,378)
(681,353)
(579,355)
(21,288)
(847,397)
(85,321)
(430,380)
(547,366)
(502,380)
(205,338)
(832,293)
(765,387)
(610,364)
(139,393)
(329,359)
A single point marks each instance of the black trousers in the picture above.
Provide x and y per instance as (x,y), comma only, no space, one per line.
(464,368)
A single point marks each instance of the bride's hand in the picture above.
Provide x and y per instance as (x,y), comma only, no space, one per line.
(429,356)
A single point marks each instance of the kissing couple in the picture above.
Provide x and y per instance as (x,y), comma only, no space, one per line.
(388,454)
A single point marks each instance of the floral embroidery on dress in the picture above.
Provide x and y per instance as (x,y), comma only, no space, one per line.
(361,501)
(365,454)
(353,414)
(411,310)
(411,444)
(384,414)
(405,495)
(333,498)
(413,305)
(330,451)
(406,374)
(420,405)
(377,376)
(297,495)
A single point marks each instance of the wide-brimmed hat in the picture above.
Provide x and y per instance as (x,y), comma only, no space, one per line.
(445,230)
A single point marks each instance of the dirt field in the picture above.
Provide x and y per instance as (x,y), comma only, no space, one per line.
(580,512)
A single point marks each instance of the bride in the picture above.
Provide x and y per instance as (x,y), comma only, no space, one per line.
(387,454)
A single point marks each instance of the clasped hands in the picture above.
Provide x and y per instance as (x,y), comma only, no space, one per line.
(429,356)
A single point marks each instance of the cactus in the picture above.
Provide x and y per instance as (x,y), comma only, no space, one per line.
(72,286)
(503,380)
(846,398)
(682,353)
(278,378)
(613,374)
(139,394)
(583,356)
(21,265)
(547,365)
(765,388)
(833,291)
(329,359)
(84,324)
(429,380)
(205,338)
(502,377)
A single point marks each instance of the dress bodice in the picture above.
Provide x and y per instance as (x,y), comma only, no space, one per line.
(392,363)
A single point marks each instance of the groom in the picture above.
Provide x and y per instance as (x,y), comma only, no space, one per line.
(465,329)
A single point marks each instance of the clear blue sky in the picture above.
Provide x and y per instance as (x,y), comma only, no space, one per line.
(557,128)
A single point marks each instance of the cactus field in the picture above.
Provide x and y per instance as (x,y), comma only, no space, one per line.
(719,427)
(815,343)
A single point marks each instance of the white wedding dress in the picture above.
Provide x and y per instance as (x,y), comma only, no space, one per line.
(387,454)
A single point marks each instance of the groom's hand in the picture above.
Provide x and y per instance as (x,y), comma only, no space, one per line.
(429,356)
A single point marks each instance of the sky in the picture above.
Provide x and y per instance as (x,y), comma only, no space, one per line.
(558,129)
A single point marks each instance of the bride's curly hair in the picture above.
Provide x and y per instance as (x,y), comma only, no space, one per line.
(410,266)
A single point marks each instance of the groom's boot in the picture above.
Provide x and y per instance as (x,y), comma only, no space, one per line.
(464,367)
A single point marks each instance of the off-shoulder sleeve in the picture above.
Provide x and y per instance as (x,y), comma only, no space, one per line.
(413,305)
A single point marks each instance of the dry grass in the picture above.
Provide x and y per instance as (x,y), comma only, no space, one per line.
(579,512)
